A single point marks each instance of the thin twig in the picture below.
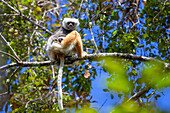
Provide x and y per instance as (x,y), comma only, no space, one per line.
(55,8)
(103,34)
(91,30)
(80,8)
(31,101)
(102,105)
(103,40)
(14,72)
(136,22)
(4,93)
(16,6)
(160,10)
(29,47)
(10,47)
(94,40)
(9,55)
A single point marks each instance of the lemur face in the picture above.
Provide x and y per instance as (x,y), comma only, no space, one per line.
(70,23)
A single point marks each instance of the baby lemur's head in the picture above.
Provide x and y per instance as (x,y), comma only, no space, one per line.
(70,23)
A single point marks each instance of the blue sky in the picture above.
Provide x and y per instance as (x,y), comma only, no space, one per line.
(98,84)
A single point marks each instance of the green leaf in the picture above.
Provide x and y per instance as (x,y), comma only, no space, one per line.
(111,96)
(114,33)
(105,90)
(38,9)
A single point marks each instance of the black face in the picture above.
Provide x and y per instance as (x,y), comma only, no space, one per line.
(70,24)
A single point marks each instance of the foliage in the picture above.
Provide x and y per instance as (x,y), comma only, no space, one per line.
(106,26)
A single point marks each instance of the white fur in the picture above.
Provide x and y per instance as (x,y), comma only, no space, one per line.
(58,47)
(76,21)
(53,47)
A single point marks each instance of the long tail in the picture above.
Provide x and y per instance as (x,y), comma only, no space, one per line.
(60,73)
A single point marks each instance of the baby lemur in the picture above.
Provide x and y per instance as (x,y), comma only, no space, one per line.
(64,41)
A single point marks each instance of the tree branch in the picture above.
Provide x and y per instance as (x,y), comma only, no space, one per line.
(26,64)
(70,60)
(4,93)
(138,94)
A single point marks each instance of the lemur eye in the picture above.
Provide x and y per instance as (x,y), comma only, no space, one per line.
(70,23)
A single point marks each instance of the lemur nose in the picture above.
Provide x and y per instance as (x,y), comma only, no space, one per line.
(71,24)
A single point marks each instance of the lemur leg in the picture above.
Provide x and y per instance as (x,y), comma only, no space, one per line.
(74,50)
(79,45)
(74,39)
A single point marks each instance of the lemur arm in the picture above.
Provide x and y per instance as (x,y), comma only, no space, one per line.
(79,45)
